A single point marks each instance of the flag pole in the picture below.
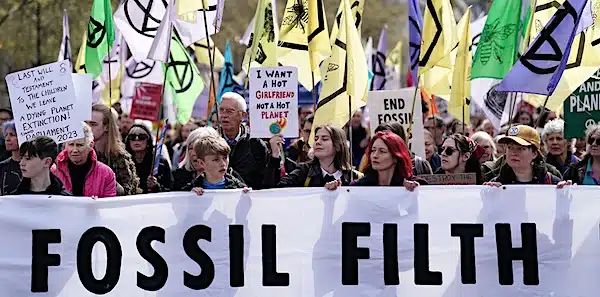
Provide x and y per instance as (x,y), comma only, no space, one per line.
(109,79)
(160,109)
(463,119)
(314,92)
(539,121)
(350,136)
(412,110)
(210,59)
(511,110)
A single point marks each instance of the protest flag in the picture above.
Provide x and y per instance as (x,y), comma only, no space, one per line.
(346,81)
(379,68)
(201,52)
(495,55)
(582,62)
(297,33)
(245,40)
(439,36)
(100,36)
(80,62)
(394,63)
(183,80)
(226,82)
(461,88)
(262,51)
(415,27)
(161,46)
(65,44)
(540,68)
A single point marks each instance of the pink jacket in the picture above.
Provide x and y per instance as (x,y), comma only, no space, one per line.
(100,180)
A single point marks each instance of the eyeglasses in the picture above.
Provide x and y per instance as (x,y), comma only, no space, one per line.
(137,137)
(448,151)
(591,141)
(228,111)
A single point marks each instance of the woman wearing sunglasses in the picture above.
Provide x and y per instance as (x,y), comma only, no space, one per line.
(524,161)
(459,154)
(587,171)
(139,144)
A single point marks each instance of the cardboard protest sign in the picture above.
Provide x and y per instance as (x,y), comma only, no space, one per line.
(44,103)
(450,179)
(83,84)
(582,108)
(395,106)
(273,102)
(146,102)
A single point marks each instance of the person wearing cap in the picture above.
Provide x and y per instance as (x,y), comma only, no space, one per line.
(587,171)
(524,161)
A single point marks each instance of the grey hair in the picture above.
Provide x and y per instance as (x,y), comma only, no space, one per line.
(554,126)
(88,135)
(592,130)
(194,136)
(479,136)
(241,102)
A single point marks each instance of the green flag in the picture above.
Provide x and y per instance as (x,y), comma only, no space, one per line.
(183,80)
(496,53)
(100,36)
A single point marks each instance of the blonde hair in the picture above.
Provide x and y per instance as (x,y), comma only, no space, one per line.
(211,146)
(114,146)
(194,136)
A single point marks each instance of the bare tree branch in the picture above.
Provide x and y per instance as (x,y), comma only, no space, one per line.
(16,8)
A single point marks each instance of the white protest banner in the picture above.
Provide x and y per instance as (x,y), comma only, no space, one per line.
(43,101)
(396,106)
(273,102)
(83,84)
(460,241)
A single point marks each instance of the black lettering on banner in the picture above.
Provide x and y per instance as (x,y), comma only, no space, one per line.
(527,253)
(271,278)
(423,276)
(391,276)
(114,255)
(40,259)
(236,256)
(351,253)
(546,36)
(144,247)
(191,248)
(467,234)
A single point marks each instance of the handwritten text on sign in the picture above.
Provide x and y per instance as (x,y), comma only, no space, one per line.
(43,101)
(274,101)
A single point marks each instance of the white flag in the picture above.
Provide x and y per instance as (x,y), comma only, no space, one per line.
(245,40)
(161,46)
(139,21)
(115,60)
(147,71)
(65,45)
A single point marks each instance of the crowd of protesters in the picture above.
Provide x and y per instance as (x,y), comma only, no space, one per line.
(116,156)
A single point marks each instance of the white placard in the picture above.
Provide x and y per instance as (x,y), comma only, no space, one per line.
(83,92)
(396,106)
(44,103)
(274,102)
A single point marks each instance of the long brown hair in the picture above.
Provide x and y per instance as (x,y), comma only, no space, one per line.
(341,160)
(114,145)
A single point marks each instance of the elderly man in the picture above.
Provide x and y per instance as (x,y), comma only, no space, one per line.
(248,156)
(558,148)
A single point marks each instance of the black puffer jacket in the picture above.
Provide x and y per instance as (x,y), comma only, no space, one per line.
(249,157)
(10,176)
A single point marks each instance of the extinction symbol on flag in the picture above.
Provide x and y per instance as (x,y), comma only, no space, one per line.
(141,69)
(184,76)
(495,101)
(436,36)
(358,17)
(95,33)
(150,23)
(491,41)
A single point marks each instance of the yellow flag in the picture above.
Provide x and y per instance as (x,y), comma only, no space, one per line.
(263,41)
(461,77)
(304,39)
(114,92)
(584,58)
(346,81)
(186,9)
(439,36)
(202,56)
(394,58)
(80,63)
(357,7)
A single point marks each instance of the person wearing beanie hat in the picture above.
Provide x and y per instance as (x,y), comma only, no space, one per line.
(524,161)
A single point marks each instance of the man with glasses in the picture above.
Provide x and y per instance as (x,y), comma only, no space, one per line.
(248,156)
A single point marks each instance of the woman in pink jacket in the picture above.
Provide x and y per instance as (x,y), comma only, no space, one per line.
(79,170)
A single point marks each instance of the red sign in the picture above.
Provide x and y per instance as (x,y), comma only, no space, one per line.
(145,103)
